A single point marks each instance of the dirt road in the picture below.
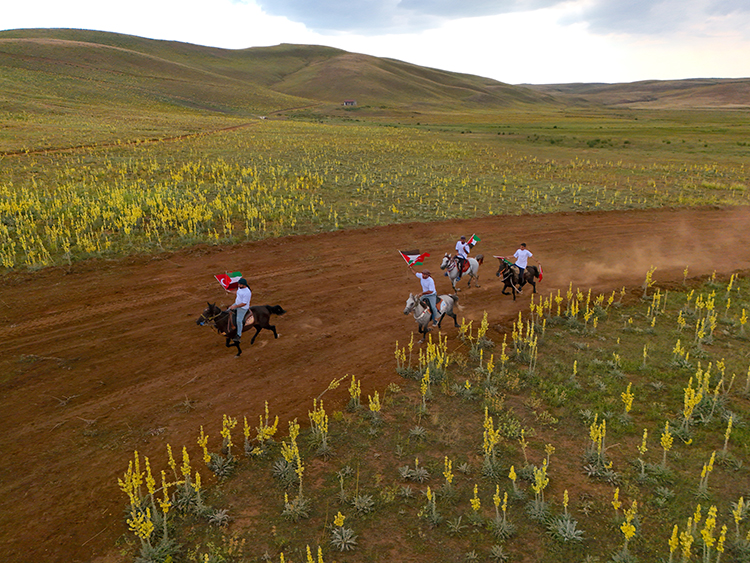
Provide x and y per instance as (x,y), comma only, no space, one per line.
(107,358)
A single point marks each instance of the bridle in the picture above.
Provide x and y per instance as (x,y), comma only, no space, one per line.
(211,319)
(452,263)
(417,302)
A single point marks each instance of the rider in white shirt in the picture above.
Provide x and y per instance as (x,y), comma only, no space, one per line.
(428,292)
(522,259)
(241,305)
(462,255)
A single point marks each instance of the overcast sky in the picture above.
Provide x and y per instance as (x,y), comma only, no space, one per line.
(514,41)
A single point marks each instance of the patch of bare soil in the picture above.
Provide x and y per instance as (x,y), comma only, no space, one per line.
(107,358)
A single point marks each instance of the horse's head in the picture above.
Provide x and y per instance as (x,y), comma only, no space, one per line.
(209,314)
(410,304)
(446,261)
(503,266)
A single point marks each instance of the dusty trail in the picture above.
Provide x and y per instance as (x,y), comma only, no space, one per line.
(107,358)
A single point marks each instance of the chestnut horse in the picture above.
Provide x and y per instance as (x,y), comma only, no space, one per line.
(220,320)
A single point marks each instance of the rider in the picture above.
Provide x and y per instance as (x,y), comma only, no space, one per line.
(522,258)
(429,293)
(462,254)
(241,305)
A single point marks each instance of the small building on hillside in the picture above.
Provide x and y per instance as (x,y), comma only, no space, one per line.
(350,103)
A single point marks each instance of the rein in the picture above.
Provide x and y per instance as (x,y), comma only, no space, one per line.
(417,304)
(452,264)
(212,319)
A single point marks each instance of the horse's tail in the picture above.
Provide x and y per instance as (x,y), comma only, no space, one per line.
(480,259)
(275,309)
(454,297)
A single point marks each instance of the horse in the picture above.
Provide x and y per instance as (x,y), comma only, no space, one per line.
(421,310)
(451,264)
(511,276)
(220,320)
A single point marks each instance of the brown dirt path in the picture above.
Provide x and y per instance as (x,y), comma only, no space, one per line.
(107,358)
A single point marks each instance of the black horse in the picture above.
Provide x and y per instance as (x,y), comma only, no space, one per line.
(220,319)
(512,278)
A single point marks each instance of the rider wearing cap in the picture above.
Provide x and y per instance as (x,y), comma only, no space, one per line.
(241,305)
(429,293)
(462,255)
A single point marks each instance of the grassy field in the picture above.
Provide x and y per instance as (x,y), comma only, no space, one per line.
(113,145)
(270,178)
(605,427)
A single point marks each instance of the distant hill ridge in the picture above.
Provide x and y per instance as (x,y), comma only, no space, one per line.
(240,81)
(693,93)
(75,68)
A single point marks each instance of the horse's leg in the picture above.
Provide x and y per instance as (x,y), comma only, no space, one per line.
(440,320)
(449,311)
(239,350)
(273,328)
(257,331)
(229,342)
(453,283)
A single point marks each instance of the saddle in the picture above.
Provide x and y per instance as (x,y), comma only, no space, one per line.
(426,304)
(466,265)
(248,321)
(514,273)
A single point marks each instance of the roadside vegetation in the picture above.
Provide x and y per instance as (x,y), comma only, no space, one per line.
(607,427)
(272,178)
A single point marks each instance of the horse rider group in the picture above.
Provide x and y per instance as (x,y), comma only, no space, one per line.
(241,305)
(463,248)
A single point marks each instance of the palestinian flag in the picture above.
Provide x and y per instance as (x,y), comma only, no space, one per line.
(229,281)
(413,257)
(474,239)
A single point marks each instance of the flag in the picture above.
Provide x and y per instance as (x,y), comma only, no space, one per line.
(504,260)
(474,239)
(413,257)
(229,281)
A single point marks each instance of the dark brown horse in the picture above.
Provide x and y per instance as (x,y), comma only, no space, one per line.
(512,279)
(214,315)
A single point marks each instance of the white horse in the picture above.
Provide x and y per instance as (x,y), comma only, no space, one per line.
(451,264)
(422,314)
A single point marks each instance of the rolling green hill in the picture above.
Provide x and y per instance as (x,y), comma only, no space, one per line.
(65,87)
(74,66)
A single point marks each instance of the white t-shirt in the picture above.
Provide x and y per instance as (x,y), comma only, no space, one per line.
(522,257)
(428,284)
(463,249)
(243,296)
